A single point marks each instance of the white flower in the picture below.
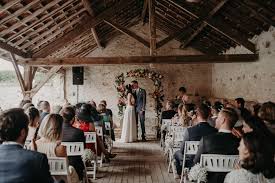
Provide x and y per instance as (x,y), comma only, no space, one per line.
(88,155)
(198,173)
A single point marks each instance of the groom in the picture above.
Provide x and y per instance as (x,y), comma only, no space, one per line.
(140,97)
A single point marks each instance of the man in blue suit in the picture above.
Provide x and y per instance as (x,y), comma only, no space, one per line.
(16,163)
(140,96)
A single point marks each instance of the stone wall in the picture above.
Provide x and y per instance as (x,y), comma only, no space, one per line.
(252,81)
(99,79)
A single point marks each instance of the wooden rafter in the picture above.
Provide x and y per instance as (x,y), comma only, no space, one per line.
(79,30)
(48,76)
(258,15)
(99,45)
(128,32)
(8,5)
(18,73)
(14,50)
(184,59)
(38,21)
(144,10)
(152,27)
(18,12)
(30,17)
(203,23)
(87,5)
(222,28)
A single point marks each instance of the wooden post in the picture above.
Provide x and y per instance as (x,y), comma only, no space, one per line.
(152,25)
(65,85)
(28,78)
(18,73)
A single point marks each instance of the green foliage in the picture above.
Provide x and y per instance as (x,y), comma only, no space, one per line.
(8,77)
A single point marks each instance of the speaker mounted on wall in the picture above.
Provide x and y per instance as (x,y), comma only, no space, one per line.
(78,75)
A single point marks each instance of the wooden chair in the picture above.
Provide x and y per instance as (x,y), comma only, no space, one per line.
(91,170)
(99,132)
(59,167)
(190,148)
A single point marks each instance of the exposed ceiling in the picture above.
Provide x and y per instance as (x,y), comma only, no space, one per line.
(74,28)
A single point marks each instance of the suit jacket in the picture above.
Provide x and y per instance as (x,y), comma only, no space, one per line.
(18,165)
(140,97)
(195,133)
(218,143)
(72,134)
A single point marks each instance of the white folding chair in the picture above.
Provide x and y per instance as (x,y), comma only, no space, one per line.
(74,148)
(109,141)
(190,148)
(59,167)
(27,144)
(177,140)
(218,162)
(99,132)
(164,125)
(91,139)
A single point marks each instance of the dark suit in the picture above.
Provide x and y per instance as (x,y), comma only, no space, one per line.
(18,165)
(71,134)
(194,133)
(140,97)
(218,143)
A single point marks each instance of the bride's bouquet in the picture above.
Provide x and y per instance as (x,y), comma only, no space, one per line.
(198,173)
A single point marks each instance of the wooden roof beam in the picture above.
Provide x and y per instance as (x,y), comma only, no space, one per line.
(223,29)
(14,50)
(203,23)
(144,10)
(152,27)
(8,5)
(127,32)
(85,26)
(180,59)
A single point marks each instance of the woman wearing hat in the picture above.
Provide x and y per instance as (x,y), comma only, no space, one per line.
(84,121)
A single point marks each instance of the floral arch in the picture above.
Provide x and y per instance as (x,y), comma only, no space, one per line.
(157,95)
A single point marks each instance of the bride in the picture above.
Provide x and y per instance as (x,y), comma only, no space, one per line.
(129,127)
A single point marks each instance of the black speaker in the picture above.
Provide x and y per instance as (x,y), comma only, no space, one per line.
(78,75)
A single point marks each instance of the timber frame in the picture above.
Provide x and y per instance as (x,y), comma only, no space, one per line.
(54,30)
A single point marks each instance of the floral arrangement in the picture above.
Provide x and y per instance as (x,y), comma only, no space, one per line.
(197,173)
(157,95)
(88,155)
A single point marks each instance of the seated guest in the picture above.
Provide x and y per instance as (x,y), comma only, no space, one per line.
(45,107)
(50,133)
(34,118)
(256,161)
(38,106)
(215,109)
(223,142)
(72,134)
(169,112)
(23,102)
(108,111)
(18,164)
(84,122)
(184,118)
(27,105)
(106,117)
(267,114)
(182,92)
(239,104)
(255,111)
(194,133)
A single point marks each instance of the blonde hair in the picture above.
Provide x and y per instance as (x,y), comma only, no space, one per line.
(51,127)
(184,118)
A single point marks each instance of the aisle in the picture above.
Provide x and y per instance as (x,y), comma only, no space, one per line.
(136,163)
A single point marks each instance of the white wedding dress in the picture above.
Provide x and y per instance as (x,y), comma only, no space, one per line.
(129,126)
